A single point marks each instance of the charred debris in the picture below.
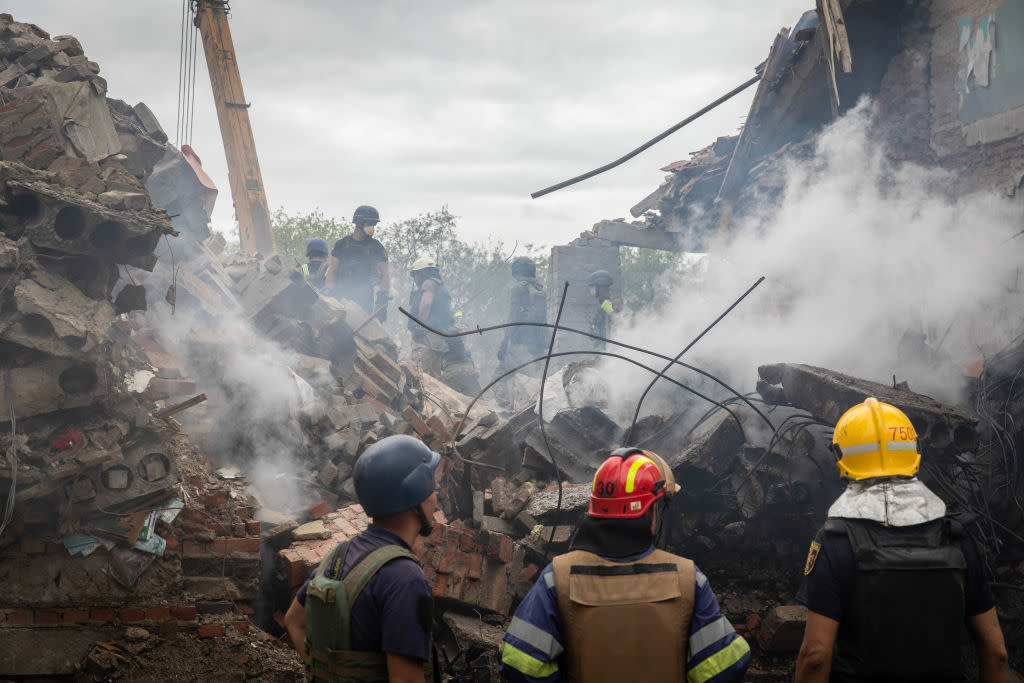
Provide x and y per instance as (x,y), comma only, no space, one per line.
(179,424)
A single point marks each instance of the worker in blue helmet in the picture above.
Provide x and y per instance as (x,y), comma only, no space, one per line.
(368,607)
(359,263)
(315,267)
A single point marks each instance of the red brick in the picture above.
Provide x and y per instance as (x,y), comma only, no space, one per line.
(436,536)
(196,480)
(47,617)
(439,428)
(249,544)
(753,621)
(467,540)
(529,571)
(215,500)
(240,626)
(240,658)
(441,586)
(238,529)
(3,617)
(500,548)
(211,630)
(173,543)
(294,572)
(158,613)
(242,513)
(417,422)
(418,546)
(318,510)
(102,614)
(19,617)
(193,548)
(193,515)
(244,608)
(132,614)
(184,612)
(252,527)
(447,561)
(476,561)
(76,616)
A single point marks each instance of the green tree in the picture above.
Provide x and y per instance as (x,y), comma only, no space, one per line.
(476,273)
(293,231)
(650,275)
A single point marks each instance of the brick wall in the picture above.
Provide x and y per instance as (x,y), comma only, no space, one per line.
(484,569)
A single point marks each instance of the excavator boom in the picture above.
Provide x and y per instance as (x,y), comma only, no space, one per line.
(255,233)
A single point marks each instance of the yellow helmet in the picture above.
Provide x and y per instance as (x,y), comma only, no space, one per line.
(422,263)
(875,439)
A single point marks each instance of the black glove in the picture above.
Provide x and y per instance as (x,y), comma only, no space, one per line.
(382,303)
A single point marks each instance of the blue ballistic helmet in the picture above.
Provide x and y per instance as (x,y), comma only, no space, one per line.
(394,475)
(317,245)
(365,213)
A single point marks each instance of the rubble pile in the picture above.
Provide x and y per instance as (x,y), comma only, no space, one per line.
(112,517)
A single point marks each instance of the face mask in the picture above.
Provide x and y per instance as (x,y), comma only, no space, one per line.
(369,230)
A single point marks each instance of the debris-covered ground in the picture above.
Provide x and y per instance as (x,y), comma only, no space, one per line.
(180,426)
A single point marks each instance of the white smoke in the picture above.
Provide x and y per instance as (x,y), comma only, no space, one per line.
(255,399)
(873,268)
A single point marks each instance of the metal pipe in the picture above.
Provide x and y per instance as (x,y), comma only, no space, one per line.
(653,141)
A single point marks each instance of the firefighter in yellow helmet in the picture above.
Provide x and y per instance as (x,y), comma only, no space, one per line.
(617,609)
(890,579)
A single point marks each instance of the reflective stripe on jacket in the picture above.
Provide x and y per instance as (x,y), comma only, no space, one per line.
(534,645)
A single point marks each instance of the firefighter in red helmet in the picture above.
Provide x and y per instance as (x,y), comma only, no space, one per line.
(615,608)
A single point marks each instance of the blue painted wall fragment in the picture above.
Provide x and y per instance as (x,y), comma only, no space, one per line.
(990,79)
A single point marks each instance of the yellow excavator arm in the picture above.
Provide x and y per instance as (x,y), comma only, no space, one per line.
(255,233)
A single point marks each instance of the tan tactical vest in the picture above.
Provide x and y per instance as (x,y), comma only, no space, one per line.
(624,622)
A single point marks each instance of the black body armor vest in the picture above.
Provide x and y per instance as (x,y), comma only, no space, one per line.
(440,317)
(908,604)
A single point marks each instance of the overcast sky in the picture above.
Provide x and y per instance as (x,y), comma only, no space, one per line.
(413,105)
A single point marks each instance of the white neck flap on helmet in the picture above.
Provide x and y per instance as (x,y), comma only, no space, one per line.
(890,501)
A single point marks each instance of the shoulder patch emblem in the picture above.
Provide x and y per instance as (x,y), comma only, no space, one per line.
(812,557)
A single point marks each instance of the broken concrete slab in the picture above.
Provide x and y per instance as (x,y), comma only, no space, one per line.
(51,315)
(782,630)
(942,430)
(575,500)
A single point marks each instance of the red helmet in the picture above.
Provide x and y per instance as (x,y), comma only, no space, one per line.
(628,482)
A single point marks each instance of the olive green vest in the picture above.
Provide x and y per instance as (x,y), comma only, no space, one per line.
(329,656)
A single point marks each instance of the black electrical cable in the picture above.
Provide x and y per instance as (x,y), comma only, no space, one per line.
(639,404)
(540,418)
(639,349)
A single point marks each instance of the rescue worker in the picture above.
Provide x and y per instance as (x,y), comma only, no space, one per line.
(366,611)
(446,359)
(527,304)
(315,267)
(359,262)
(890,579)
(615,608)
(430,302)
(600,282)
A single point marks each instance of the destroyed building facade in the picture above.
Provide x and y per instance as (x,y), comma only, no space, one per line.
(137,444)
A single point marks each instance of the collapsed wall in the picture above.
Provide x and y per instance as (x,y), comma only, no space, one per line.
(147,514)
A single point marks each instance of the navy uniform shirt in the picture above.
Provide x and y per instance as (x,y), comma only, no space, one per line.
(828,582)
(394,611)
(358,271)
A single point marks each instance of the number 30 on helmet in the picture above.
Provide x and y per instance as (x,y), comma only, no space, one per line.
(628,482)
